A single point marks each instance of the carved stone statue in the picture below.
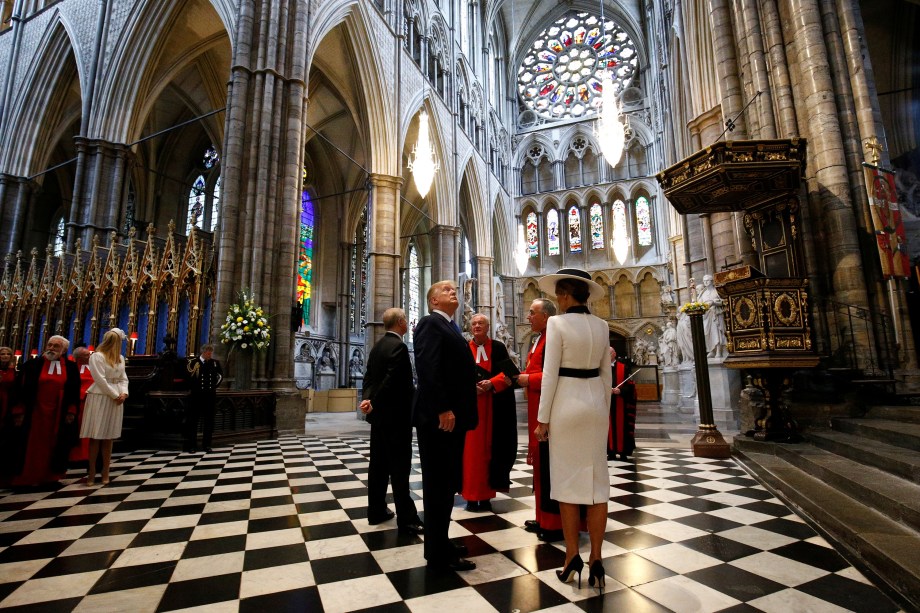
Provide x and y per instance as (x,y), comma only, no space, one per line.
(668,351)
(684,339)
(640,353)
(356,364)
(713,320)
(326,363)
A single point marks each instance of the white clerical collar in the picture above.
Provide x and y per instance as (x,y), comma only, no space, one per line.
(536,341)
(83,368)
(54,367)
(481,353)
(442,314)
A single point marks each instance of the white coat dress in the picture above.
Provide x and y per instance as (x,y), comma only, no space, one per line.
(102,418)
(577,410)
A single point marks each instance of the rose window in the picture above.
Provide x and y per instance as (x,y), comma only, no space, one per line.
(561,76)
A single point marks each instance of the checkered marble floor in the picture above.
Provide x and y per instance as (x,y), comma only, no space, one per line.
(279,526)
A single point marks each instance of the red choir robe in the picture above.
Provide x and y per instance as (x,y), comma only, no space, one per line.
(547,509)
(80,452)
(48,393)
(489,450)
(621,437)
(7,380)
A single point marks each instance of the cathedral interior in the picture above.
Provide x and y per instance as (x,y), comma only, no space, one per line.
(334,158)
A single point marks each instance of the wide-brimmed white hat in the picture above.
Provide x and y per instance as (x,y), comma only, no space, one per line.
(548,283)
(121,333)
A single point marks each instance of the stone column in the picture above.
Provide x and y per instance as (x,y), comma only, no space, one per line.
(261,184)
(445,241)
(383,253)
(828,182)
(18,197)
(98,189)
(486,303)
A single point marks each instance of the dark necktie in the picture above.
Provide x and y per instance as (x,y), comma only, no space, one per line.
(456,327)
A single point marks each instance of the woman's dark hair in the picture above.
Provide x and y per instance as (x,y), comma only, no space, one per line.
(574,288)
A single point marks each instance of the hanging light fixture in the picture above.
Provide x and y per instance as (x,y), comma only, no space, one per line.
(609,130)
(521,256)
(422,163)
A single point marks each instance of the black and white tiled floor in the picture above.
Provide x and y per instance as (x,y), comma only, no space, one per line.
(279,526)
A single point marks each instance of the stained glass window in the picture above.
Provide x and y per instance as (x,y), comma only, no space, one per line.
(59,233)
(413,309)
(574,230)
(560,78)
(552,232)
(533,237)
(215,204)
(643,221)
(620,241)
(305,260)
(597,226)
(195,205)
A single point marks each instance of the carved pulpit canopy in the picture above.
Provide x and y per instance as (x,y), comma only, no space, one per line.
(736,176)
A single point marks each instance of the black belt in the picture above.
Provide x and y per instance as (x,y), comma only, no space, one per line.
(580,373)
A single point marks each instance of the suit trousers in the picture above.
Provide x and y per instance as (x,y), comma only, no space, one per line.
(391,460)
(201,407)
(441,455)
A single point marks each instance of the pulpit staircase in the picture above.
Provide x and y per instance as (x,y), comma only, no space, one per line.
(858,482)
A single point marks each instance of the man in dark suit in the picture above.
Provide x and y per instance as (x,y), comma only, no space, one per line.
(387,402)
(204,375)
(444,410)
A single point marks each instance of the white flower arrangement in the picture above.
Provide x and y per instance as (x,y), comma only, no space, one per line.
(694,307)
(246,326)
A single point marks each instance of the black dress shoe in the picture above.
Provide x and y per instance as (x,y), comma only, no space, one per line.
(485,505)
(374,519)
(461,549)
(532,525)
(414,528)
(457,565)
(472,506)
(550,536)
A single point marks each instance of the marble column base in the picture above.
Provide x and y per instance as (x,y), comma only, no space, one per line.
(688,402)
(670,392)
(725,385)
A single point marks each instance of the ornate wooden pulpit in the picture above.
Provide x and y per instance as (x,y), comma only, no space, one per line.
(766,307)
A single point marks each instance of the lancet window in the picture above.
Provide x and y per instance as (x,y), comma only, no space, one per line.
(574,223)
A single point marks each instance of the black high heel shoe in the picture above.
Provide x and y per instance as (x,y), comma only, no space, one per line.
(596,573)
(575,565)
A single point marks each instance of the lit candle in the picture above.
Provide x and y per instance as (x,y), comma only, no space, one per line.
(133,339)
(18,355)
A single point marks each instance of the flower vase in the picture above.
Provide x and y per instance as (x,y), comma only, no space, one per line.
(242,369)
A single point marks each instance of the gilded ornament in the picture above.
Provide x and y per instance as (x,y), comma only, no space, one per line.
(745,312)
(786,309)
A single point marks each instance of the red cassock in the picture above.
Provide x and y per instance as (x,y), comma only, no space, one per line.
(7,380)
(44,424)
(477,450)
(80,452)
(621,438)
(547,510)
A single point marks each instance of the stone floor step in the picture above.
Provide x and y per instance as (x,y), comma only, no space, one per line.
(899,461)
(885,549)
(897,433)
(909,414)
(897,498)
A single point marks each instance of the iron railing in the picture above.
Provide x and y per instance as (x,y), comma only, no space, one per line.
(859,339)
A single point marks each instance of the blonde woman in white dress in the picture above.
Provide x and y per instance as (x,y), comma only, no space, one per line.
(573,416)
(104,402)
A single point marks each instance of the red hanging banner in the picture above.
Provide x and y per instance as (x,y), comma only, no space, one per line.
(887,223)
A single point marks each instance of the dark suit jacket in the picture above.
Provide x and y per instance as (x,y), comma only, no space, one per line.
(388,383)
(203,377)
(446,375)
